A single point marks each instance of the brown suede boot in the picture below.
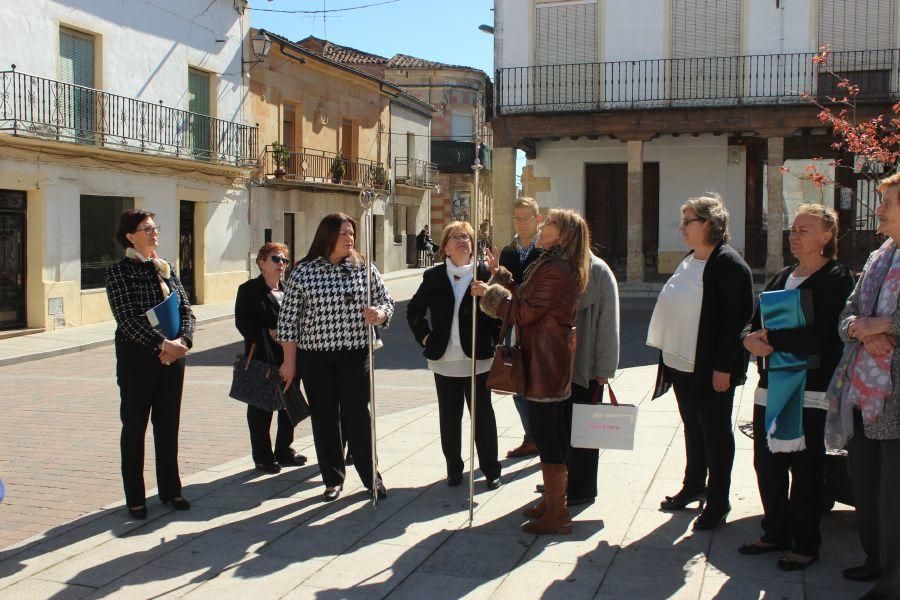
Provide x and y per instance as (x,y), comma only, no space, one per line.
(556,518)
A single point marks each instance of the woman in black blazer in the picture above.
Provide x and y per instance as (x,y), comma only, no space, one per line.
(697,324)
(447,338)
(792,513)
(256,315)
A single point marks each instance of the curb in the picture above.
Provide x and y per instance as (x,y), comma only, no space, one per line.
(13,360)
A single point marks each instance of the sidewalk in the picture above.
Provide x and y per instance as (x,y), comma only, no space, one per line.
(75,339)
(250,536)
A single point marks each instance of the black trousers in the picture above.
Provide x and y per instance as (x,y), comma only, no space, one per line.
(260,422)
(708,436)
(551,430)
(452,393)
(791,514)
(151,391)
(337,388)
(875,476)
(583,462)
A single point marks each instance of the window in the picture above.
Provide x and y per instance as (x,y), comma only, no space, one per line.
(849,28)
(199,107)
(565,34)
(462,124)
(76,67)
(99,216)
(705,29)
(398,221)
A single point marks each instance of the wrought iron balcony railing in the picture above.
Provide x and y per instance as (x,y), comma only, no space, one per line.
(416,173)
(457,157)
(695,82)
(46,108)
(319,166)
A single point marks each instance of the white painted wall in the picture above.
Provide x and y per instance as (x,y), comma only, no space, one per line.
(145,48)
(688,166)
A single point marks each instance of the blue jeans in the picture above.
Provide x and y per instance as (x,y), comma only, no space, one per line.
(522,408)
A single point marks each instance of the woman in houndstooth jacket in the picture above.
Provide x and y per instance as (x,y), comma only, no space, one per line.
(323,330)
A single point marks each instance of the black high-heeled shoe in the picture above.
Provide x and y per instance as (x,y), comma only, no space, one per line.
(684,497)
(711,518)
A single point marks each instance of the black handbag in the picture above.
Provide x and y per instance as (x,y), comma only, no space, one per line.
(259,384)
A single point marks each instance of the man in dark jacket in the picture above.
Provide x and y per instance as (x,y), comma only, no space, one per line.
(516,257)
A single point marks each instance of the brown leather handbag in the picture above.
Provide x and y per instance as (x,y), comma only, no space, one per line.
(507,374)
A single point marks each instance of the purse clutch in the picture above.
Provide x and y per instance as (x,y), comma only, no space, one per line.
(507,374)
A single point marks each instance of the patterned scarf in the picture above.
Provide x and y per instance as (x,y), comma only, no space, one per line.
(163,270)
(861,380)
(550,253)
(524,251)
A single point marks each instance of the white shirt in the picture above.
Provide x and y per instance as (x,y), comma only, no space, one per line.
(676,316)
(794,281)
(454,362)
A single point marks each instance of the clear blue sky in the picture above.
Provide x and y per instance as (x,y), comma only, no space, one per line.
(440,30)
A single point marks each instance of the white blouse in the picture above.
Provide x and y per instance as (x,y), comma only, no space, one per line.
(676,316)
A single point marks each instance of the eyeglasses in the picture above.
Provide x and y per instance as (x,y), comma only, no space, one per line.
(279,260)
(686,222)
(150,230)
(551,222)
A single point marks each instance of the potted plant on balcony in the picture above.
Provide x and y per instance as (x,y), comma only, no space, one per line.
(379,177)
(338,169)
(281,154)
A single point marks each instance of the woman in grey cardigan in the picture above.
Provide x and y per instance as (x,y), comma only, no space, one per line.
(864,402)
(596,360)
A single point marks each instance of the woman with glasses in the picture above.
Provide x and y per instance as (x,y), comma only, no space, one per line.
(696,325)
(256,316)
(543,307)
(447,339)
(323,327)
(149,367)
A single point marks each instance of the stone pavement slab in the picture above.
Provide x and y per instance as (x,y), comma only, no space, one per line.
(272,537)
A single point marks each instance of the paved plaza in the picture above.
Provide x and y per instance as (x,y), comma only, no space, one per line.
(250,535)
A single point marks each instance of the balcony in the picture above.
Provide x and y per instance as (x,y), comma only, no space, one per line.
(415,173)
(307,165)
(48,109)
(457,157)
(753,80)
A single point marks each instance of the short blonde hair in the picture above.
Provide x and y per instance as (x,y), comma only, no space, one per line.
(526,202)
(711,208)
(829,220)
(450,230)
(887,183)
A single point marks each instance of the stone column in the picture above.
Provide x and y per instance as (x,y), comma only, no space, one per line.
(635,260)
(775,208)
(503,178)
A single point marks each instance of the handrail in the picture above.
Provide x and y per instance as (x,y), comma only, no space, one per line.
(47,108)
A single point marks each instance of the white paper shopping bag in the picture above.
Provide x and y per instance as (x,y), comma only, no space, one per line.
(604,426)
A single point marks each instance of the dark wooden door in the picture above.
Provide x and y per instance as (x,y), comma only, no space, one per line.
(186,249)
(606,210)
(12,259)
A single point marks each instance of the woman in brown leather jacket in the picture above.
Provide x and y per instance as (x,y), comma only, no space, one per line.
(544,305)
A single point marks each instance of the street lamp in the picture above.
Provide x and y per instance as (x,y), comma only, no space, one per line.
(259,45)
(486,28)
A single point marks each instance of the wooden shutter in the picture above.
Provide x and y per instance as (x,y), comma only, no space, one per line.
(708,31)
(856,24)
(566,33)
(76,57)
(198,92)
(566,52)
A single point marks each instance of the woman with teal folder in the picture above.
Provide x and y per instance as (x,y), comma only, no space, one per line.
(794,335)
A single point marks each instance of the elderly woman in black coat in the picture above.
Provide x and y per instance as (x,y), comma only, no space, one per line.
(256,311)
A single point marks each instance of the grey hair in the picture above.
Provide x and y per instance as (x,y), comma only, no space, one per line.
(711,208)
